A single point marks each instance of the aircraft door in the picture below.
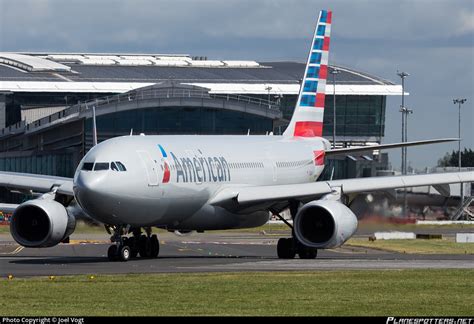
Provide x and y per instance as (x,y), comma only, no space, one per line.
(150,167)
(275,171)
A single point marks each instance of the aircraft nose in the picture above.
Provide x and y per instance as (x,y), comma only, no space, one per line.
(89,189)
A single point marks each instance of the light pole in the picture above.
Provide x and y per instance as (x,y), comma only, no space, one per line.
(268,88)
(404,112)
(460,102)
(403,75)
(334,71)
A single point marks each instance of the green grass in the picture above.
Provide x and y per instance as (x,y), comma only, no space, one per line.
(433,246)
(4,229)
(389,292)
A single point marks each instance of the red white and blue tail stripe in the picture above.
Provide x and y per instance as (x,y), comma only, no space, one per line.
(307,120)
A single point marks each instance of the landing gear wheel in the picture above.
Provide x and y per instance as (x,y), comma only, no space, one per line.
(155,246)
(132,243)
(125,253)
(285,248)
(134,252)
(307,252)
(145,247)
(112,252)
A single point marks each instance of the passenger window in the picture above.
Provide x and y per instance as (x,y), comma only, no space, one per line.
(113,166)
(87,166)
(101,166)
(120,166)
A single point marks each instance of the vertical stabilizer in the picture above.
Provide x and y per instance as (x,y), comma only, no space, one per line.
(307,120)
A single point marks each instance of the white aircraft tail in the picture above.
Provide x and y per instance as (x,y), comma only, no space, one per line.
(307,120)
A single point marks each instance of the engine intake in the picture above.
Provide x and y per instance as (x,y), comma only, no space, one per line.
(324,224)
(41,223)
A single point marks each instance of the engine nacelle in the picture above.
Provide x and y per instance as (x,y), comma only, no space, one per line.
(324,224)
(41,222)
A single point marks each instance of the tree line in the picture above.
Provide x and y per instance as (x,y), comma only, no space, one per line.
(452,160)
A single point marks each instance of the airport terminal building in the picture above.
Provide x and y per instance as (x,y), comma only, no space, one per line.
(46,103)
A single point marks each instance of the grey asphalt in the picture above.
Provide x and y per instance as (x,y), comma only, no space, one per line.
(205,253)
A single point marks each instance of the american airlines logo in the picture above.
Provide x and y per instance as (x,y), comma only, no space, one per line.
(198,168)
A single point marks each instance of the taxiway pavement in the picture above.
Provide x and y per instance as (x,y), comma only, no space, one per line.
(215,252)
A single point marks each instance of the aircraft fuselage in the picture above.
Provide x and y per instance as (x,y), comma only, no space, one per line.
(168,181)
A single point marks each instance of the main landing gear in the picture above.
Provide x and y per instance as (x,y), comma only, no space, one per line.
(287,248)
(147,246)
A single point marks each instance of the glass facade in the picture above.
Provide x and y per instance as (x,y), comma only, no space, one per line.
(180,120)
(58,164)
(356,116)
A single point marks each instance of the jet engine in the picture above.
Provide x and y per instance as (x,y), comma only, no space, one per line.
(41,222)
(324,224)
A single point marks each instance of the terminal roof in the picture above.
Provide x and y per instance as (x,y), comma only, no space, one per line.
(122,72)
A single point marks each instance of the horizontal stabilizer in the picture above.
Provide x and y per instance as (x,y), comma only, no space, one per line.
(343,151)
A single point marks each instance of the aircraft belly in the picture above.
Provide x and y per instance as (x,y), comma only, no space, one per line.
(214,218)
(178,203)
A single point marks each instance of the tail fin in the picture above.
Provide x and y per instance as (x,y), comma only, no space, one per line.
(307,120)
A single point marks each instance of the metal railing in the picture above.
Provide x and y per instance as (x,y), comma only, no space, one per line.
(18,127)
(169,93)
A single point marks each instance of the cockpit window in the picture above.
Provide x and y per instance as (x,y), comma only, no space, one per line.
(87,166)
(113,166)
(117,166)
(101,166)
(120,166)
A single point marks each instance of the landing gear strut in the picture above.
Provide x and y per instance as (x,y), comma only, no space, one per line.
(147,246)
(287,248)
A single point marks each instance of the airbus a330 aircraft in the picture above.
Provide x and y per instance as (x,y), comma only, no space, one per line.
(135,183)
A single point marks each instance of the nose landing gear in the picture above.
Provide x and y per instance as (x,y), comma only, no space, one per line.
(147,246)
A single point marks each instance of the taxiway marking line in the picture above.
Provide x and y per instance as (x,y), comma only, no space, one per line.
(16,251)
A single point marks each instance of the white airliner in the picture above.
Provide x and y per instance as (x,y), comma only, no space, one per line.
(135,183)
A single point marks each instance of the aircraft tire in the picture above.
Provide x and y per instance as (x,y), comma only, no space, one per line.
(125,253)
(132,242)
(307,253)
(144,244)
(285,249)
(155,246)
(112,252)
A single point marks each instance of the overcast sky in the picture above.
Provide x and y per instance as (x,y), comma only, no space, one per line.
(432,40)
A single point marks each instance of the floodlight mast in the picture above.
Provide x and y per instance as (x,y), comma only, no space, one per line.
(460,101)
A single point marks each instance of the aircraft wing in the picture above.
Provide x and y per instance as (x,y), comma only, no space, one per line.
(243,197)
(349,150)
(36,182)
